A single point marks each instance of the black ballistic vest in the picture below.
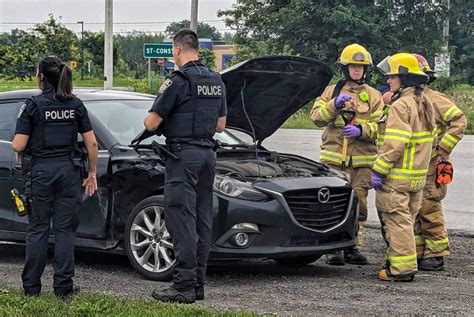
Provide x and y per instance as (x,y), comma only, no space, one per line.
(56,131)
(197,116)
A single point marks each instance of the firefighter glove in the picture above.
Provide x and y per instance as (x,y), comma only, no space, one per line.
(341,100)
(352,131)
(377,181)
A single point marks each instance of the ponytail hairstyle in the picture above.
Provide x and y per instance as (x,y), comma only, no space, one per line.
(57,75)
(425,109)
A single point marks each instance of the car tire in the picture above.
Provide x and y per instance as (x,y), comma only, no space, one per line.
(297,261)
(147,241)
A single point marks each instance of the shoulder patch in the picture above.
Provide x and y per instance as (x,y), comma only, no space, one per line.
(22,108)
(168,82)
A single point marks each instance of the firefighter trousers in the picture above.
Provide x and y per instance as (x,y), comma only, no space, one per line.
(431,233)
(360,178)
(399,210)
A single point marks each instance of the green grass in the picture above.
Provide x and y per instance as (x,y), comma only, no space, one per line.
(13,303)
(132,84)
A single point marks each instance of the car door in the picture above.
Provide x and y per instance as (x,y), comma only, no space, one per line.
(8,114)
(93,210)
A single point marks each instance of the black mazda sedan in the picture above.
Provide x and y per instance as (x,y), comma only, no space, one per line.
(266,204)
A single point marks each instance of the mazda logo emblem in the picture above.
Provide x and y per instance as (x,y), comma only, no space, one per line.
(324,195)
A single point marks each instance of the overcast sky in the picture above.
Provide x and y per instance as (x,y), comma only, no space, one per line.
(13,12)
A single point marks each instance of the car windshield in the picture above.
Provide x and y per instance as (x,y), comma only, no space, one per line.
(124,120)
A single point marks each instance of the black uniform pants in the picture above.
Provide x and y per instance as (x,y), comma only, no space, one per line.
(56,193)
(188,212)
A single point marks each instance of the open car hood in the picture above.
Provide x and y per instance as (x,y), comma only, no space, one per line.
(271,89)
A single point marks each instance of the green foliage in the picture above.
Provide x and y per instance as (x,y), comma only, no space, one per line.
(207,57)
(446,84)
(204,30)
(142,86)
(131,50)
(321,29)
(13,303)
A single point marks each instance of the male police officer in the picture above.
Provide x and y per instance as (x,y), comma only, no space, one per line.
(192,107)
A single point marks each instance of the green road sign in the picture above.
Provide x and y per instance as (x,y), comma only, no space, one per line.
(152,50)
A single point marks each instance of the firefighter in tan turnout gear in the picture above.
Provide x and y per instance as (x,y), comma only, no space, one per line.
(350,146)
(431,234)
(402,163)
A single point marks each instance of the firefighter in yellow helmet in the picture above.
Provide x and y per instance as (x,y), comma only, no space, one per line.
(402,163)
(350,146)
(431,234)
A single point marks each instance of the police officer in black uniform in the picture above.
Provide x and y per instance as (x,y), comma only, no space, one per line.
(191,107)
(46,132)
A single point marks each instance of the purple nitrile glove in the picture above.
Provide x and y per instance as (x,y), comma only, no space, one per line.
(352,131)
(377,181)
(341,100)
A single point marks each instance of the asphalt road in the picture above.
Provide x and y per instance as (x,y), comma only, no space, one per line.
(459,203)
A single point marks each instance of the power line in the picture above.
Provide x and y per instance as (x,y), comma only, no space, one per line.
(115,23)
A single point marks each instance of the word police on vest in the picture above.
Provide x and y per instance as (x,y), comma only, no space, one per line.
(209,90)
(59,115)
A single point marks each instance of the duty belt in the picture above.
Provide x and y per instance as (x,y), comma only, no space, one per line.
(54,159)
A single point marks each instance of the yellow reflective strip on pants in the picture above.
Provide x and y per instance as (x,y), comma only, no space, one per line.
(323,111)
(437,245)
(330,156)
(403,261)
(451,113)
(401,138)
(419,240)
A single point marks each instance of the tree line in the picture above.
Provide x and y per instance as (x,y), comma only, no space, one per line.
(20,50)
(322,28)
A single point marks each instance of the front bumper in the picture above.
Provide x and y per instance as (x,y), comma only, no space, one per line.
(279,233)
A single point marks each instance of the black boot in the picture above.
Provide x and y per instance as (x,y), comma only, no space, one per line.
(68,294)
(199,290)
(353,256)
(432,264)
(173,295)
(335,258)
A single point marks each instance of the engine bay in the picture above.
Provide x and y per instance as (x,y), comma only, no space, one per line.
(251,165)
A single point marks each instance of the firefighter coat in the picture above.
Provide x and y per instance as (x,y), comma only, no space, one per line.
(405,152)
(368,104)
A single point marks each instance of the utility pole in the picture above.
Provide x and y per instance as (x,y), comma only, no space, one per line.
(109,46)
(82,48)
(194,15)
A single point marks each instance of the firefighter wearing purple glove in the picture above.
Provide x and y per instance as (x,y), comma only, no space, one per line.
(351,147)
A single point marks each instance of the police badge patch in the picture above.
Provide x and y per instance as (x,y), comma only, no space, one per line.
(165,85)
(22,108)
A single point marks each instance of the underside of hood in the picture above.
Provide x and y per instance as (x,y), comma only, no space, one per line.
(268,90)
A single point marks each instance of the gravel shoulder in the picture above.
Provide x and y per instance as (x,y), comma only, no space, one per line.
(265,287)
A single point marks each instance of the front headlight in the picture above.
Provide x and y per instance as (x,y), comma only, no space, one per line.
(234,188)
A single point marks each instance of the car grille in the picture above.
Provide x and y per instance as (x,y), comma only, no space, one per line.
(312,214)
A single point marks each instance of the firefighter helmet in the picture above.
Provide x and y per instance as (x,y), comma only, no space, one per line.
(355,54)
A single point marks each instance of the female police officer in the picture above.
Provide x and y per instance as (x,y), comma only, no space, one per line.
(47,130)
(350,147)
(402,162)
